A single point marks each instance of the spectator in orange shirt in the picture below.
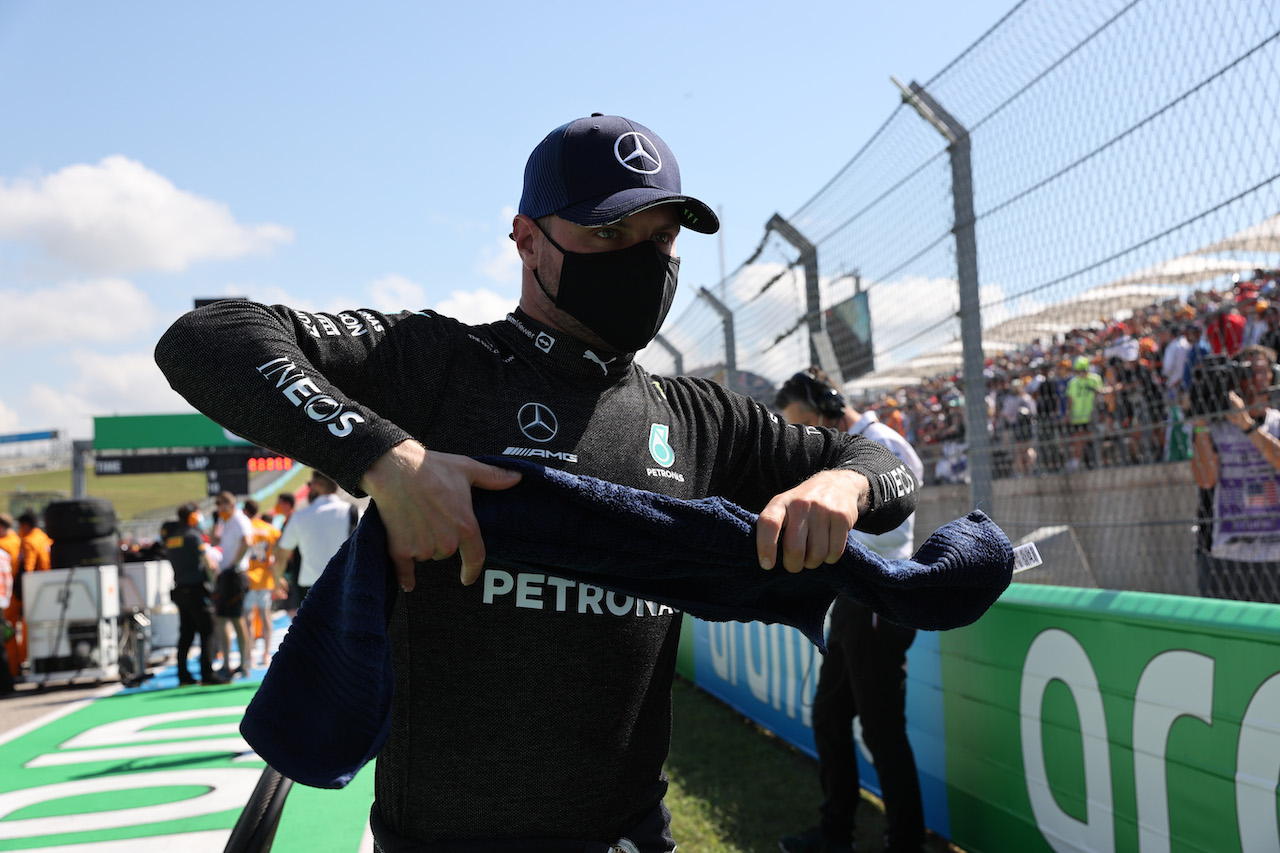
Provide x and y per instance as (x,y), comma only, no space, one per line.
(33,556)
(262,582)
(33,551)
(891,416)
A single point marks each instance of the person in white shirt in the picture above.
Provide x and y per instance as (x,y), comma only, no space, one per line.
(864,674)
(234,541)
(1174,360)
(317,531)
(1122,344)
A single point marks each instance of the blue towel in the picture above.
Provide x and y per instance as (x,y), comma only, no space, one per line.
(323,710)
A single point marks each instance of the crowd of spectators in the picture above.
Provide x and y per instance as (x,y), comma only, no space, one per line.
(1110,393)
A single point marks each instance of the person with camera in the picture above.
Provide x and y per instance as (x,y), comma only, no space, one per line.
(1237,455)
(864,674)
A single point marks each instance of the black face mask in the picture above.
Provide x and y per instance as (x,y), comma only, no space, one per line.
(621,296)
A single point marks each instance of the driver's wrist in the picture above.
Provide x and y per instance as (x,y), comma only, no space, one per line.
(387,466)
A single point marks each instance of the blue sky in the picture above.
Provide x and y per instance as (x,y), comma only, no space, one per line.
(333,156)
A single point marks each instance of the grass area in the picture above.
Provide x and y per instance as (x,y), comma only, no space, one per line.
(131,494)
(736,788)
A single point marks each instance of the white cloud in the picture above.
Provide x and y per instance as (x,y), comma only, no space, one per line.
(270,294)
(119,217)
(476,306)
(8,418)
(109,309)
(499,261)
(902,307)
(128,383)
(51,408)
(393,293)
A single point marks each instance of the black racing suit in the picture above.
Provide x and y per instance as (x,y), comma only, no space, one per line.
(529,706)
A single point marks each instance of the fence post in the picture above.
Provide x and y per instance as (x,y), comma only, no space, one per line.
(975,386)
(675,353)
(730,343)
(812,295)
(80,451)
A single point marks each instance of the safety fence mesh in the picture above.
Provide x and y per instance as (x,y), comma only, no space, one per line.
(1115,170)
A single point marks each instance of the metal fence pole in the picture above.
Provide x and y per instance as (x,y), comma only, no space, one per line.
(676,355)
(81,449)
(975,387)
(730,344)
(812,295)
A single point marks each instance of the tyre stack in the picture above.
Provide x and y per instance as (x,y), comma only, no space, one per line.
(83,531)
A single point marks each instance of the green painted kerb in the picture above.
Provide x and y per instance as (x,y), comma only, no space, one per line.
(161,770)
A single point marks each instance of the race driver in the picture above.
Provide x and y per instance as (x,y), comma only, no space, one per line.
(531,716)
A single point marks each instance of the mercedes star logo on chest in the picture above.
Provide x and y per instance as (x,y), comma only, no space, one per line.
(537,422)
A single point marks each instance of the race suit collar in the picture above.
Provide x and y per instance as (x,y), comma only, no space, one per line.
(564,351)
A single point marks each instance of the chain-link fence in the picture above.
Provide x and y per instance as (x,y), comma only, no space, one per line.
(1023,244)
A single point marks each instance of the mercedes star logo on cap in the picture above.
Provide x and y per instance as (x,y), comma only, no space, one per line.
(637,153)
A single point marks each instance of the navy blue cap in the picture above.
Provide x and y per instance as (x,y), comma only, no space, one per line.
(598,170)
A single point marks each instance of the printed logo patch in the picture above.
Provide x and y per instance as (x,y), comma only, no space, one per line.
(301,391)
(659,449)
(604,365)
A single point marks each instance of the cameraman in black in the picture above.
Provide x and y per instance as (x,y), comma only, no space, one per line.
(1237,454)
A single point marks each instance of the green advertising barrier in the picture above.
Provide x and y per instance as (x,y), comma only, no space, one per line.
(1114,722)
(137,432)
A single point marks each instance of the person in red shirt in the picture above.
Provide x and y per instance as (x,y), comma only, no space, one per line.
(1225,330)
